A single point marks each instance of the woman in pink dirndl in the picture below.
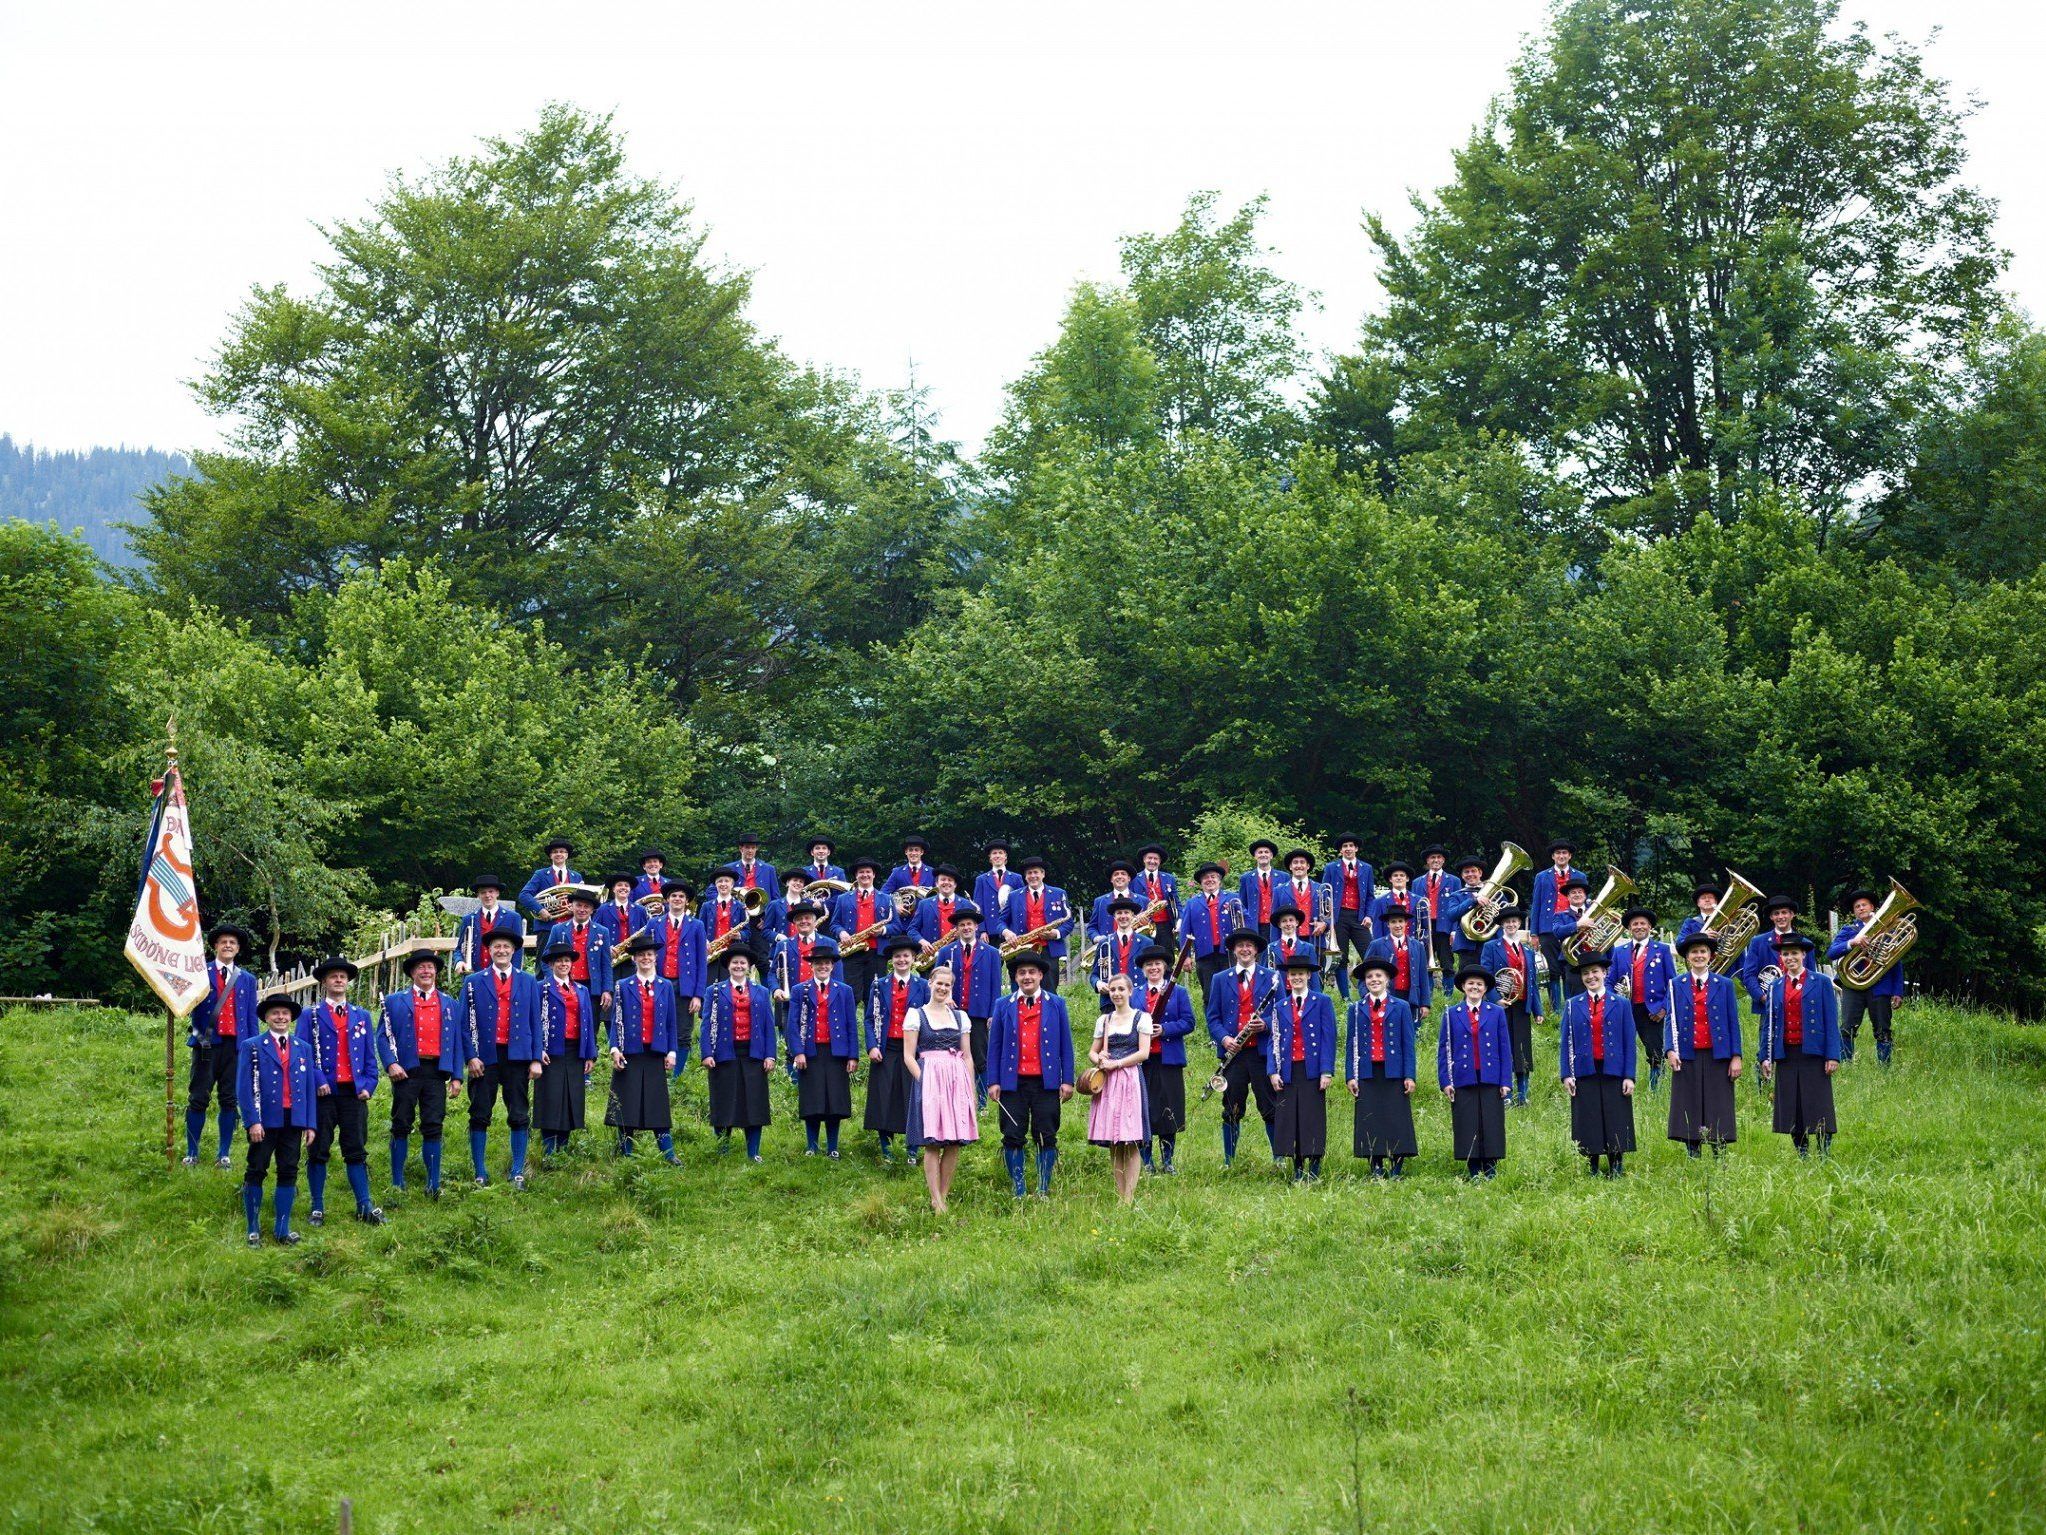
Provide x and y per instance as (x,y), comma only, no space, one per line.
(1121,1118)
(942,1117)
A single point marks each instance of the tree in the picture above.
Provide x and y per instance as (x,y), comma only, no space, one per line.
(1699,247)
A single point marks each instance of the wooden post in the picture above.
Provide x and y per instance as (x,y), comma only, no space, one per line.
(170,1088)
(347,1516)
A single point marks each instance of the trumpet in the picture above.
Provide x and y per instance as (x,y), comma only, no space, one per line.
(1734,922)
(1890,932)
(1604,911)
(1037,935)
(1496,894)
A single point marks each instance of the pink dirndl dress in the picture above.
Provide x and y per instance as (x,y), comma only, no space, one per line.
(1121,1115)
(942,1108)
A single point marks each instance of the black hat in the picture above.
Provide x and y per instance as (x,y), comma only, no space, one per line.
(643,942)
(915,839)
(1861,894)
(613,880)
(1705,887)
(1576,881)
(1473,972)
(1697,941)
(1777,903)
(1121,866)
(1288,909)
(1802,941)
(585,893)
(328,966)
(1562,845)
(1434,847)
(1300,960)
(563,843)
(1243,935)
(1296,852)
(1515,913)
(746,839)
(483,882)
(1151,847)
(232,930)
(1264,842)
(1632,912)
(282,999)
(1469,861)
(671,886)
(1397,866)
(1589,958)
(1032,957)
(728,871)
(944,869)
(1152,951)
(824,952)
(1210,868)
(1127,903)
(738,951)
(1348,836)
(993,843)
(818,837)
(420,957)
(1025,865)
(863,862)
(650,852)
(1397,914)
(965,911)
(805,909)
(554,951)
(510,935)
(792,873)
(1365,966)
(899,942)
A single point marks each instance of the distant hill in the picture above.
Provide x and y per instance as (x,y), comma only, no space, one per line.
(86,492)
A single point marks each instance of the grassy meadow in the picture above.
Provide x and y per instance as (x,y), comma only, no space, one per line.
(1763,1344)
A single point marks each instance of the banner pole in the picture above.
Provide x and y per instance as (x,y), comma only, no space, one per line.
(170,1078)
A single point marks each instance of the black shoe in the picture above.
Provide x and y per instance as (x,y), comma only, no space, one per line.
(434,1195)
(373,1216)
(318,1217)
(519,1183)
(483,1183)
(289,1239)
(191,1161)
(832,1155)
(223,1161)
(255,1239)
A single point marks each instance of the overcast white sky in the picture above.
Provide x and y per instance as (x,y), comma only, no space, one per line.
(904,179)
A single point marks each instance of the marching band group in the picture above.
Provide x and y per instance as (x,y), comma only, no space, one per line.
(948,1001)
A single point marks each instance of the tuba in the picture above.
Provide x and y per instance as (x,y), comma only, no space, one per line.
(827,887)
(553,901)
(1604,911)
(1734,922)
(1890,932)
(1496,894)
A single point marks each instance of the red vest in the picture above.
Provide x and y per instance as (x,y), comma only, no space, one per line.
(1029,1045)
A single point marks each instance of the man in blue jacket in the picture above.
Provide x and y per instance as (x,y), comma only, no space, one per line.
(277,1090)
(1030,1069)
(345,1048)
(1164,1069)
(1549,916)
(220,1026)
(500,1016)
(1351,881)
(1878,1001)
(417,1046)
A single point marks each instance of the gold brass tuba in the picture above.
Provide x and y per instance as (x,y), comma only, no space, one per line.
(1734,923)
(1890,932)
(1604,911)
(826,887)
(1496,894)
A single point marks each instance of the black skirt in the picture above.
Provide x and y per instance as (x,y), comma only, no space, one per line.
(1520,1031)
(1804,1095)
(1300,1119)
(1165,1087)
(738,1094)
(639,1095)
(1701,1102)
(1477,1124)
(888,1092)
(824,1089)
(558,1096)
(1602,1117)
(1384,1119)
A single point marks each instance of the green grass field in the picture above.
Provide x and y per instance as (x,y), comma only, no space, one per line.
(1764,1345)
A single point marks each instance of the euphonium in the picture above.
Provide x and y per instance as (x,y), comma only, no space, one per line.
(1890,932)
(1734,922)
(1496,894)
(827,887)
(1605,929)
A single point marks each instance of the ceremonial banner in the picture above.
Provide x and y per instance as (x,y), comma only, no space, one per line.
(164,940)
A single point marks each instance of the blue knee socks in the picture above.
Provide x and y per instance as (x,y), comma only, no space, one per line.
(518,1162)
(358,1180)
(810,1134)
(1047,1158)
(401,1150)
(667,1144)
(287,1195)
(479,1142)
(195,1126)
(252,1205)
(316,1176)
(624,1144)
(1146,1155)
(429,1153)
(228,1120)
(753,1140)
(831,1135)
(1231,1131)
(1014,1159)
(887,1147)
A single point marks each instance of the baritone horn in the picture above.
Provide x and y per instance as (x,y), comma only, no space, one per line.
(1734,922)
(1605,929)
(1890,932)
(1496,894)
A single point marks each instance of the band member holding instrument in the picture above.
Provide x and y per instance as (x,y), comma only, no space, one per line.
(1642,971)
(1549,915)
(1101,916)
(1289,937)
(680,959)
(1473,1058)
(1463,949)
(1116,953)
(1030,1068)
(724,917)
(1238,1004)
(556,872)
(1706,896)
(1300,1062)
(821,850)
(620,916)
(1170,1010)
(1304,896)
(1597,1055)
(752,872)
(471,949)
(738,1051)
(568,1047)
(1258,889)
(592,949)
(648,1045)
(823,1040)
(1702,1048)
(790,966)
(1408,956)
(1436,923)
(277,1085)
(932,922)
(860,919)
(1120,1118)
(1154,884)
(500,1016)
(1763,961)
(1510,951)
(1801,1048)
(417,1046)
(976,983)
(888,1003)
(1042,905)
(994,889)
(653,870)
(774,920)
(942,1114)
(1577,913)
(1878,1002)
(912,871)
(1208,919)
(1399,896)
(344,1042)
(220,1026)
(1379,1071)
(1352,882)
